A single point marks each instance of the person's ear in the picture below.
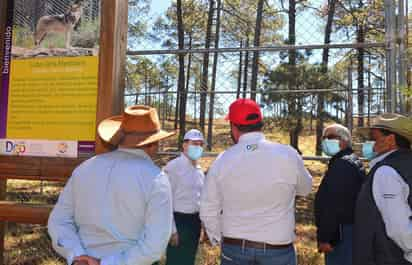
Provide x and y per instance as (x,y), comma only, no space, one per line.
(233,128)
(185,145)
(390,140)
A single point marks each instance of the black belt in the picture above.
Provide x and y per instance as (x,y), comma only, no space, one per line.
(186,214)
(253,244)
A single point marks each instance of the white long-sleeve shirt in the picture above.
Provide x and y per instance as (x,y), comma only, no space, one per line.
(391,193)
(250,191)
(186,181)
(116,207)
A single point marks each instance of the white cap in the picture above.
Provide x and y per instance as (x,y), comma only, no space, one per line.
(194,135)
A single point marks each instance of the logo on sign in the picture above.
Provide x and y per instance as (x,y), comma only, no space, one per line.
(15,148)
(62,147)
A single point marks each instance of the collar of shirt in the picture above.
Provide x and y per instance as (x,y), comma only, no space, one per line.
(135,151)
(251,137)
(341,153)
(184,158)
(378,159)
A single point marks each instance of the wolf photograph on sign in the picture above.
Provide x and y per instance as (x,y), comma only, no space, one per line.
(55,28)
(63,23)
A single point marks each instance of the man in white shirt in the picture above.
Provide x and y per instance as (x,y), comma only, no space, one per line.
(383,226)
(116,209)
(248,201)
(186,178)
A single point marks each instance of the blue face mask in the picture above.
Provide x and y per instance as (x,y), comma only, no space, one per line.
(330,147)
(367,150)
(194,152)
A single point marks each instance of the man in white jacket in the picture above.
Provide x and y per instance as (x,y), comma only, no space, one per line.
(248,201)
(116,209)
(186,179)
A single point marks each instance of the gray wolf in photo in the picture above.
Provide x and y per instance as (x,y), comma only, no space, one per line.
(63,23)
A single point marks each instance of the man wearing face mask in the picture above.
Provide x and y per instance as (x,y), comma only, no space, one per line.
(383,225)
(248,200)
(336,197)
(186,178)
(117,207)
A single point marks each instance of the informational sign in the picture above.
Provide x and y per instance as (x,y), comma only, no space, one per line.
(49,78)
(39,148)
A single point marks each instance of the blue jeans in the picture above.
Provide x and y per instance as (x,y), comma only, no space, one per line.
(342,252)
(236,255)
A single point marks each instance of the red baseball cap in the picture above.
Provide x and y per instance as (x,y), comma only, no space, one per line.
(241,112)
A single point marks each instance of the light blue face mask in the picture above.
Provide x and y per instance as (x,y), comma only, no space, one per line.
(367,150)
(330,147)
(194,152)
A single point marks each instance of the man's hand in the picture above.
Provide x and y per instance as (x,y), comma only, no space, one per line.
(206,240)
(203,236)
(174,240)
(324,247)
(86,260)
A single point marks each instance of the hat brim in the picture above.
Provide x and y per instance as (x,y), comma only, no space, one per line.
(366,131)
(194,139)
(110,127)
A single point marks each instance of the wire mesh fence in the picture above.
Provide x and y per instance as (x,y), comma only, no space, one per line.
(286,93)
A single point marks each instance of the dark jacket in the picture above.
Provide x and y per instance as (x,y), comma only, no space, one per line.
(371,244)
(336,198)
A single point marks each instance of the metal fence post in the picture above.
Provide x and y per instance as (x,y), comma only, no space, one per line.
(350,99)
(402,53)
(390,55)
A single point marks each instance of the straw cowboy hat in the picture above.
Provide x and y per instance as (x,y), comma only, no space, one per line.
(138,126)
(392,122)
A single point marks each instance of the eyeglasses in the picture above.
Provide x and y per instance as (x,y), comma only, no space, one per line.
(331,137)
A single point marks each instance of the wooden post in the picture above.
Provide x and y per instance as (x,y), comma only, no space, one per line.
(112,62)
(3,182)
(3,225)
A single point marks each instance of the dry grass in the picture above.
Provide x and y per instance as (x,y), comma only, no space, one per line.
(30,245)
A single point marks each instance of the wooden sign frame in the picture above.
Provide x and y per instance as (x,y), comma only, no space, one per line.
(112,58)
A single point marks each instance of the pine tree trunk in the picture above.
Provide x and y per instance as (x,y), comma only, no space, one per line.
(212,95)
(146,88)
(295,105)
(177,104)
(239,73)
(256,43)
(205,69)
(369,92)
(245,69)
(361,92)
(189,64)
(181,77)
(324,69)
(360,38)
